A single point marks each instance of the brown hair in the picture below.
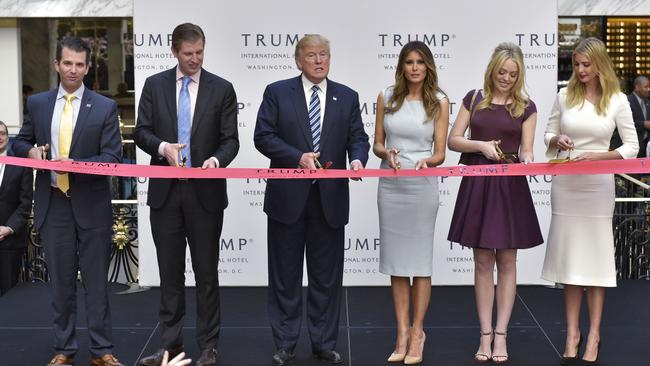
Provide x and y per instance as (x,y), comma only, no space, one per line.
(186,32)
(430,88)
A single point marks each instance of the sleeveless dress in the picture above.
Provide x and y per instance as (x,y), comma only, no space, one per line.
(495,212)
(407,206)
(580,248)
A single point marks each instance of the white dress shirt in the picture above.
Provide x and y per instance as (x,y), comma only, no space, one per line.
(2,167)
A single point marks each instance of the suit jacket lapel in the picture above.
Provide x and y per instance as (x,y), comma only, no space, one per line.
(635,101)
(47,119)
(5,178)
(202,100)
(300,106)
(84,108)
(169,90)
(331,111)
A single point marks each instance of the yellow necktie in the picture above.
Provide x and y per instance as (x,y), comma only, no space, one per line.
(65,139)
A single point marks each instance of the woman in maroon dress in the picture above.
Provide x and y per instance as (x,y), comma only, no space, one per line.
(495,215)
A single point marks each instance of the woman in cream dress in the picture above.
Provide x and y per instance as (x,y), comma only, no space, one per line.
(580,245)
(410,133)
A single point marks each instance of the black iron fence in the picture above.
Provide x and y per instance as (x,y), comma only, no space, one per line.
(631,237)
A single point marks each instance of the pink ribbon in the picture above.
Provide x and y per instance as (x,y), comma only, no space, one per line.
(151,171)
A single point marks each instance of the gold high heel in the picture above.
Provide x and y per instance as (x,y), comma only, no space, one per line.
(396,357)
(410,360)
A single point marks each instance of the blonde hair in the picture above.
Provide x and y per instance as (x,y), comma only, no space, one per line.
(594,49)
(311,40)
(503,52)
(430,88)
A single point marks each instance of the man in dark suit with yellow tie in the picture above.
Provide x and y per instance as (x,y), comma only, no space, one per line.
(72,212)
(15,206)
(187,116)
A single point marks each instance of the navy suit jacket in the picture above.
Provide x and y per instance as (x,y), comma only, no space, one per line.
(15,204)
(282,134)
(96,138)
(214,132)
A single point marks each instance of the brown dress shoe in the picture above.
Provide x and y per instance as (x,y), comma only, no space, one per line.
(106,360)
(157,358)
(61,360)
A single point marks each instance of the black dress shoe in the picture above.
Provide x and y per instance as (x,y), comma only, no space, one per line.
(330,356)
(208,357)
(283,357)
(157,358)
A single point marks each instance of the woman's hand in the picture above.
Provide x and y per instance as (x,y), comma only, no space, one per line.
(422,163)
(526,157)
(393,160)
(489,149)
(588,156)
(564,142)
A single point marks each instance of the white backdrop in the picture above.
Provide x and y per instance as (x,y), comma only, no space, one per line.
(251,43)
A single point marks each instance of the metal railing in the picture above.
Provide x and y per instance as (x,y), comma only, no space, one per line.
(124,256)
(632,228)
(631,224)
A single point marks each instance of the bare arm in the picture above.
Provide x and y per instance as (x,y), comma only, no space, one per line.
(527,139)
(458,142)
(379,145)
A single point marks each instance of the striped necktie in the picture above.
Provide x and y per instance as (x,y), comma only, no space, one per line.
(314,117)
(184,123)
(65,140)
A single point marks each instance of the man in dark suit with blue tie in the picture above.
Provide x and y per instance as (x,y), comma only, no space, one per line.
(15,206)
(72,212)
(302,122)
(187,113)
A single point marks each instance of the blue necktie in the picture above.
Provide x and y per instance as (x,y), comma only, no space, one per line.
(184,123)
(314,117)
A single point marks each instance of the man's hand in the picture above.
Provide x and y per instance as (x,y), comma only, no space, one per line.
(38,152)
(209,163)
(61,159)
(171,153)
(356,165)
(307,160)
(4,232)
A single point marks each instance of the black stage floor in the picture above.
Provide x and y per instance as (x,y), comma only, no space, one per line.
(536,334)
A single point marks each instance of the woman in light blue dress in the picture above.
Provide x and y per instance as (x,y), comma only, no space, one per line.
(410,133)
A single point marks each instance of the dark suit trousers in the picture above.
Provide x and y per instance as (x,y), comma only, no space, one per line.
(9,268)
(182,220)
(69,247)
(323,246)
